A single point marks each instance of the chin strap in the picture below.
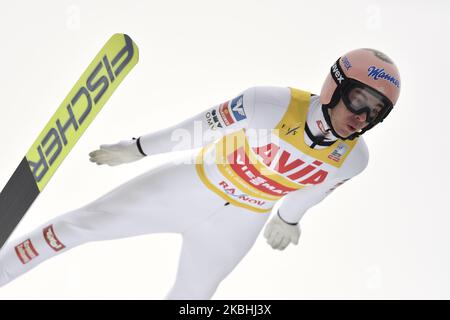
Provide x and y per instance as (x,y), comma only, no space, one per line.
(320,140)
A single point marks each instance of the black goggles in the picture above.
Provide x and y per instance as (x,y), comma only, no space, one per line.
(360,99)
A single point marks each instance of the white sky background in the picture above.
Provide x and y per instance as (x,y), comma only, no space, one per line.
(382,235)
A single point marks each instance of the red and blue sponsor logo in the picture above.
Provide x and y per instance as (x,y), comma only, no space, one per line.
(226,114)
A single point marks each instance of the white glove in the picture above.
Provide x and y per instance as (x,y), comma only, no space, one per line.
(279,233)
(115,154)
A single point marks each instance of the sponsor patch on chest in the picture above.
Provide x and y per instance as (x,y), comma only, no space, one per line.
(338,152)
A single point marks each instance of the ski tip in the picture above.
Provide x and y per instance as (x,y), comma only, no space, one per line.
(121,36)
(128,39)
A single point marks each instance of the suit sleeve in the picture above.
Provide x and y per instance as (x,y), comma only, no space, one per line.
(203,128)
(295,204)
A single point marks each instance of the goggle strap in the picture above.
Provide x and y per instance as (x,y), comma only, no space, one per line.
(338,74)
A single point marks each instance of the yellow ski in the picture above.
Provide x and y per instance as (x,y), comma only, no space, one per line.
(90,93)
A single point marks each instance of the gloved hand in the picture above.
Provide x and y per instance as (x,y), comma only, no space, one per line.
(279,233)
(115,154)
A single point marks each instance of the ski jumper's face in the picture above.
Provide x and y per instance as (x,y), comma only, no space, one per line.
(345,122)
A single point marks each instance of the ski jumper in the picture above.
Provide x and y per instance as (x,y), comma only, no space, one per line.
(262,149)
